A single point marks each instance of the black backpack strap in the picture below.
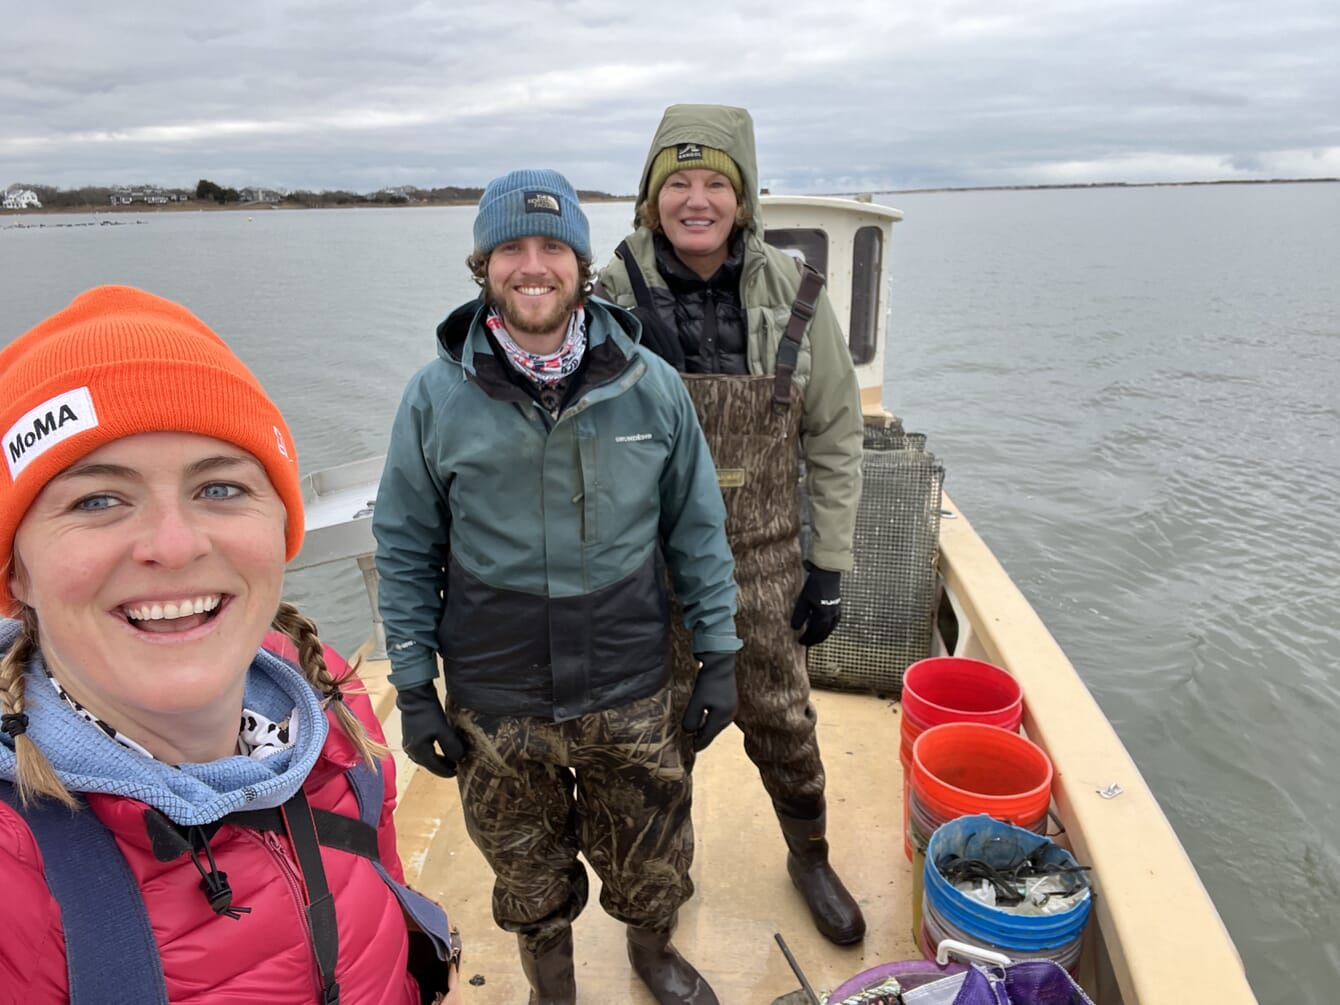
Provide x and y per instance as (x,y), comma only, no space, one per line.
(110,951)
(788,349)
(320,902)
(656,334)
(333,830)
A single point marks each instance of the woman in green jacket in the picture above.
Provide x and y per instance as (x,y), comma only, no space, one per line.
(716,301)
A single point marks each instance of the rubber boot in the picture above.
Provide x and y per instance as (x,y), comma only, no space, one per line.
(836,913)
(550,973)
(671,979)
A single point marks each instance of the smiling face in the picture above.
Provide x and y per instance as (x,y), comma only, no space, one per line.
(155,565)
(697,209)
(535,284)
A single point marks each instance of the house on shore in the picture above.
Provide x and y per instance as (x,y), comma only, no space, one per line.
(150,195)
(21,198)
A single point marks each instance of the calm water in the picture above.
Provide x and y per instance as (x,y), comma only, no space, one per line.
(1134,395)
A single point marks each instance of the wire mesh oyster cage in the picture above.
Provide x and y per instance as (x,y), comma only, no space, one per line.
(889,596)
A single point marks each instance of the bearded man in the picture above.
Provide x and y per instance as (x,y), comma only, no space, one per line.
(543,474)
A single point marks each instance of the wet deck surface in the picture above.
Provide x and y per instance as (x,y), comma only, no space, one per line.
(743,893)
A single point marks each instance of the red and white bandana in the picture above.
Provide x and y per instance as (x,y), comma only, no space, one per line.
(543,369)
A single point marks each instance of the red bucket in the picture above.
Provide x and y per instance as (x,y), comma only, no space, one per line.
(945,689)
(955,689)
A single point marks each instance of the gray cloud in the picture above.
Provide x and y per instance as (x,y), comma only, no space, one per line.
(351,95)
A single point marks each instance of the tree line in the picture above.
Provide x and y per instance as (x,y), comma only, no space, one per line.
(99,196)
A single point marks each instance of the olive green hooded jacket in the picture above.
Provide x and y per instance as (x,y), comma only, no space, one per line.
(831,424)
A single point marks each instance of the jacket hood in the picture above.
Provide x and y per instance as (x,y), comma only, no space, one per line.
(725,127)
(87,760)
(455,327)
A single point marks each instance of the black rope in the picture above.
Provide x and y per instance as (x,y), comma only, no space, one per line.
(1009,880)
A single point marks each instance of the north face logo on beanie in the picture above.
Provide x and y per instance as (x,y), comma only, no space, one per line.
(542,202)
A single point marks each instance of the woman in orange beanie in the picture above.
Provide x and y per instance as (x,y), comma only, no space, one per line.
(151,848)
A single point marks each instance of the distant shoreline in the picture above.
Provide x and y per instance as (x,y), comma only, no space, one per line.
(208,206)
(1114,184)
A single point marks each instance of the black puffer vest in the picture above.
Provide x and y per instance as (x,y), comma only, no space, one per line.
(698,325)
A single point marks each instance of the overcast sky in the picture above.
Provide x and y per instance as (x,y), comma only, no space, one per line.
(846,96)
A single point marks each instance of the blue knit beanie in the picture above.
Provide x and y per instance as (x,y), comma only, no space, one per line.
(531,203)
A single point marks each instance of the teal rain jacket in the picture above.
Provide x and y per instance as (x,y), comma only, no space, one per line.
(530,552)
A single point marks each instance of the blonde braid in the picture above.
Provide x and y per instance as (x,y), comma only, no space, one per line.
(312,661)
(33,774)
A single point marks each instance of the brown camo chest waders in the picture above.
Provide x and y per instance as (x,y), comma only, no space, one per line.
(755,442)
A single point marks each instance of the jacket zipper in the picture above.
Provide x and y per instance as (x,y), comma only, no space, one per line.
(279,850)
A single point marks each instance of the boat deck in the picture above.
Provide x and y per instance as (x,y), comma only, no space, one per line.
(1154,936)
(743,896)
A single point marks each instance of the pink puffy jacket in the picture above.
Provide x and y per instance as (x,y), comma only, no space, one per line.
(263,957)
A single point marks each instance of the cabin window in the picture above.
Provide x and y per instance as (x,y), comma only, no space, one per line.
(809,244)
(867,270)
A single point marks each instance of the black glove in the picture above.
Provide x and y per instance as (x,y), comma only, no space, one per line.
(714,700)
(819,606)
(424,730)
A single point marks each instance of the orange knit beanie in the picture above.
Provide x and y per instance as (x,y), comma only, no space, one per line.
(116,362)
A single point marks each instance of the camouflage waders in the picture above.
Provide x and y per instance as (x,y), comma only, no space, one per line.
(756,449)
(613,785)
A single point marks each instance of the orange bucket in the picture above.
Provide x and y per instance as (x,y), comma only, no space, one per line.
(960,768)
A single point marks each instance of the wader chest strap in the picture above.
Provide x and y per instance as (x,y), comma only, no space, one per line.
(641,294)
(788,349)
(657,336)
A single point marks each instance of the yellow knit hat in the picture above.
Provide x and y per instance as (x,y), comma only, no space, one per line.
(685,157)
(116,362)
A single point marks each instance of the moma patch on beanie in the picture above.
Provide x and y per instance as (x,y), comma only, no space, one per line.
(116,362)
(686,157)
(531,203)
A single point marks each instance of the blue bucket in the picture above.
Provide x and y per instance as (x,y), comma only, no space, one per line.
(955,914)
